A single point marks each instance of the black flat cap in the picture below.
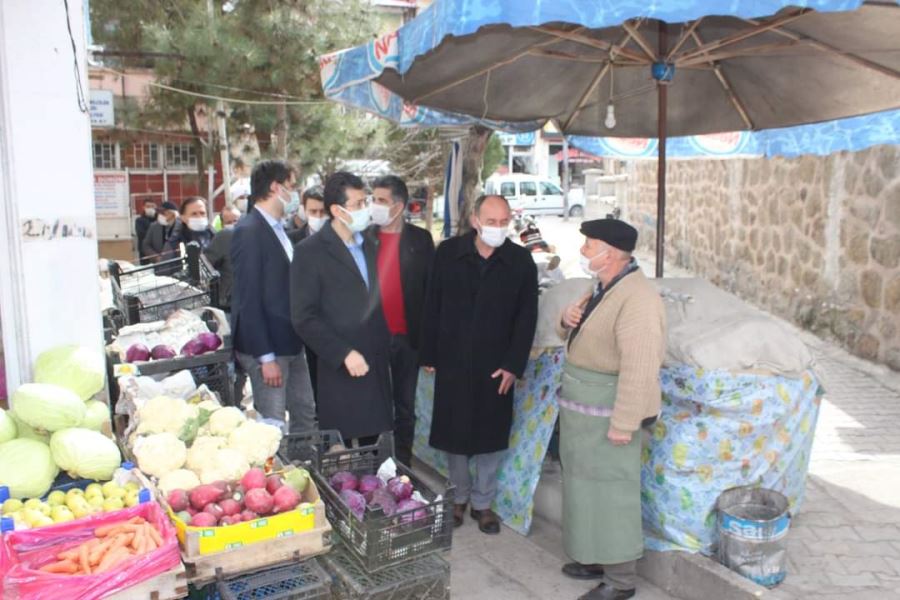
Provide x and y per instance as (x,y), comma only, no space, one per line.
(614,232)
(168,206)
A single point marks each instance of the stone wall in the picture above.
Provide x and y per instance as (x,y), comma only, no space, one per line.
(813,239)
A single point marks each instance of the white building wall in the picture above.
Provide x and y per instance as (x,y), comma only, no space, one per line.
(49,290)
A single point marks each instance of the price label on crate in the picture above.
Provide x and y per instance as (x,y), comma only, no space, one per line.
(124,369)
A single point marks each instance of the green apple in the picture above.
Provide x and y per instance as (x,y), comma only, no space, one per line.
(112,490)
(32,516)
(96,500)
(61,514)
(80,509)
(132,486)
(132,498)
(111,504)
(93,489)
(12,505)
(43,521)
(33,503)
(45,509)
(56,498)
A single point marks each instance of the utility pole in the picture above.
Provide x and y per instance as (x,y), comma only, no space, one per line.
(220,121)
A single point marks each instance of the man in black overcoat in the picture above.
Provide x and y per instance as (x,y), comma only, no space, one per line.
(478,326)
(336,310)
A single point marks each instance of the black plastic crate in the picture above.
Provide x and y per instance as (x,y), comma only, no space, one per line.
(213,369)
(379,541)
(141,297)
(427,578)
(295,581)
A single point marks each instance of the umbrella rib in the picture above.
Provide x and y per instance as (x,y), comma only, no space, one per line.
(684,37)
(828,48)
(632,29)
(723,80)
(590,90)
(739,37)
(484,70)
(728,54)
(593,43)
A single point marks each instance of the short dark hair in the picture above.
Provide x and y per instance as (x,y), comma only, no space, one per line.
(399,191)
(314,193)
(264,173)
(187,202)
(336,188)
(480,200)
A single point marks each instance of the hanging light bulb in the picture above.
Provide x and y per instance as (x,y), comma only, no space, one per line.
(610,121)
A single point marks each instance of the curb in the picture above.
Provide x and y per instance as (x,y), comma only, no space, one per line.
(680,574)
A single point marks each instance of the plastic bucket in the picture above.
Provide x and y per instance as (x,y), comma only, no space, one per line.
(752,525)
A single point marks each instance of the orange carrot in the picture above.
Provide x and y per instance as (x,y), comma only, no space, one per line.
(112,559)
(66,567)
(68,555)
(138,541)
(137,520)
(154,535)
(97,553)
(83,558)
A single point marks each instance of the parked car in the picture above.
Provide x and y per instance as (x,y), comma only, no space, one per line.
(534,195)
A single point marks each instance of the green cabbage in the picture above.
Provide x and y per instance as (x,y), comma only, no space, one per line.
(47,406)
(25,431)
(8,429)
(27,468)
(95,415)
(77,368)
(85,453)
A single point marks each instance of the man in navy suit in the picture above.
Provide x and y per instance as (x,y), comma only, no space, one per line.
(267,347)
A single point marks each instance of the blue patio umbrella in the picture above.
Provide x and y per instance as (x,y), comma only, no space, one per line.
(634,68)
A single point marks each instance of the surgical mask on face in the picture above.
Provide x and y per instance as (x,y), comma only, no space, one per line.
(292,206)
(161,219)
(492,236)
(359,219)
(198,223)
(241,205)
(381,214)
(585,263)
(228,227)
(316,223)
(150,213)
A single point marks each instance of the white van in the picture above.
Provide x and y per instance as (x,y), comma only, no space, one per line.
(536,196)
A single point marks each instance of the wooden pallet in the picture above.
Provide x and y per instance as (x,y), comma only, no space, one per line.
(205,569)
(171,585)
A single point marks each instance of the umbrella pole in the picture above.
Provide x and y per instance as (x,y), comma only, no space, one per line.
(566,180)
(661,107)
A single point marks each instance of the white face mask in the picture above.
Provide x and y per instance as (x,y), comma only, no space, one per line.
(241,205)
(198,223)
(359,219)
(150,213)
(228,227)
(492,236)
(316,223)
(585,263)
(381,214)
(161,219)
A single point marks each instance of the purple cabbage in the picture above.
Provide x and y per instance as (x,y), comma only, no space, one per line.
(368,484)
(400,488)
(161,351)
(355,501)
(414,515)
(344,480)
(210,340)
(381,498)
(137,352)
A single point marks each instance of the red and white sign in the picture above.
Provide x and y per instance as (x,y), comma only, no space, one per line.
(111,196)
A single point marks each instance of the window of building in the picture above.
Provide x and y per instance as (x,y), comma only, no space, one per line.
(106,155)
(146,156)
(180,156)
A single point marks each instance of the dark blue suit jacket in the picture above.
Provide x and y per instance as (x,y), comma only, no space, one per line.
(260,296)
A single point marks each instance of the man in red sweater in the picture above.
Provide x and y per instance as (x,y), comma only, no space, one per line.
(404,261)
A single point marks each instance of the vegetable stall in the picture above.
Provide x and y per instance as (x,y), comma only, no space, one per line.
(172,489)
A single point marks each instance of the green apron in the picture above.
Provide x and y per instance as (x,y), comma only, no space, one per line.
(601,482)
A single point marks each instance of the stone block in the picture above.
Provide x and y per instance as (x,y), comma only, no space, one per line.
(892,358)
(891,200)
(888,158)
(865,209)
(873,183)
(892,295)
(870,284)
(886,251)
(867,347)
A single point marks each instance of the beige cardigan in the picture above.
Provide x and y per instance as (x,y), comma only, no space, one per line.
(625,335)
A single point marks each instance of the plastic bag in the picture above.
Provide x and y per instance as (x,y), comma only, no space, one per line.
(22,553)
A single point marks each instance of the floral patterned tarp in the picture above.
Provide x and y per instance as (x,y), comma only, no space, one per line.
(718,430)
(534,415)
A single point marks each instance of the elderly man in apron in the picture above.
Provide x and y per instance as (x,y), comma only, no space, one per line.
(610,390)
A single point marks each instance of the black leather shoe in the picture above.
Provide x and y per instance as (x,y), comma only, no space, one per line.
(487,521)
(576,570)
(459,511)
(607,592)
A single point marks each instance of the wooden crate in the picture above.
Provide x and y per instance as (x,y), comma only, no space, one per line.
(171,585)
(204,569)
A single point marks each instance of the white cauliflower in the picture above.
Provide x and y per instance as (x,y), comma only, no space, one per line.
(224,465)
(160,453)
(256,441)
(179,479)
(202,450)
(164,414)
(225,420)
